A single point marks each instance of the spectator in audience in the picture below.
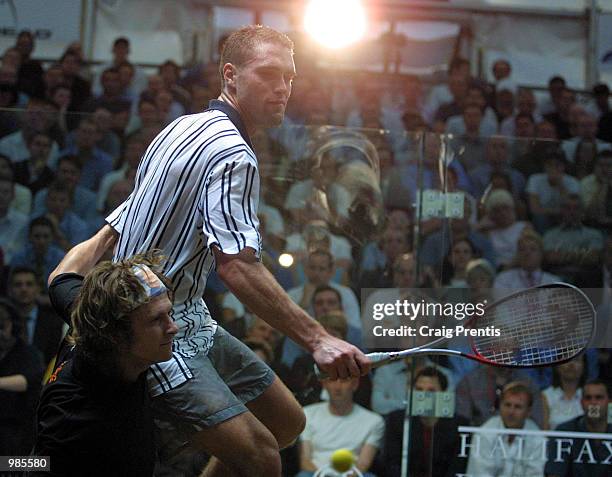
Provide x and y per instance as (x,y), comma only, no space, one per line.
(547,191)
(391,383)
(261,330)
(501,225)
(83,201)
(501,69)
(39,252)
(560,116)
(528,262)
(596,192)
(585,457)
(112,97)
(13,224)
(80,88)
(377,272)
(53,77)
(35,172)
(316,236)
(434,441)
(339,423)
(497,160)
(43,329)
(556,87)
(39,116)
(455,263)
(526,106)
(30,71)
(581,149)
(126,78)
(70,229)
(506,454)
(95,163)
(135,147)
(200,96)
(441,94)
(458,84)
(600,104)
(471,123)
(504,104)
(62,97)
(168,108)
(170,72)
(9,122)
(148,121)
(22,197)
(561,400)
(437,245)
(479,392)
(319,270)
(21,372)
(121,53)
(571,248)
(109,141)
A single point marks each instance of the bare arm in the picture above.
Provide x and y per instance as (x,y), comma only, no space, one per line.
(306,462)
(257,288)
(82,257)
(16,383)
(366,457)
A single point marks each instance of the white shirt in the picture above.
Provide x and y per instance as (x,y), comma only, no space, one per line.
(549,196)
(13,233)
(492,455)
(327,432)
(560,408)
(517,279)
(14,146)
(505,241)
(197,186)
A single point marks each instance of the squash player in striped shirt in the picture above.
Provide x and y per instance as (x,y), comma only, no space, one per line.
(195,198)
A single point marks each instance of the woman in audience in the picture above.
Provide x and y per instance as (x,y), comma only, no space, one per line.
(562,399)
(455,263)
(501,225)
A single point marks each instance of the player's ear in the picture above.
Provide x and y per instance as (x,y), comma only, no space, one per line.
(229,75)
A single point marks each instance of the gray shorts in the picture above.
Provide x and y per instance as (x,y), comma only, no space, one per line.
(224,380)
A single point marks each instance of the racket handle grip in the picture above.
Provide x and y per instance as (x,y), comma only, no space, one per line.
(377,359)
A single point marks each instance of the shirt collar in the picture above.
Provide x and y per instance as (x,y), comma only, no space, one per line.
(234,117)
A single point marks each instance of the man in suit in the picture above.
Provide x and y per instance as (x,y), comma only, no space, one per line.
(43,328)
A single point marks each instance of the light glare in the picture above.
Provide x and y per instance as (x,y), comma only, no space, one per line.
(285,260)
(335,23)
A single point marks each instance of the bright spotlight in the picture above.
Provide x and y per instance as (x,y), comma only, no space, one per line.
(285,260)
(335,23)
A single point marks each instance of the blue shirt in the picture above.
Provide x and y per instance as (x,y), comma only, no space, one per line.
(26,257)
(83,203)
(97,166)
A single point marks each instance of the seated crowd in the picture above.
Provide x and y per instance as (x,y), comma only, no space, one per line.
(535,182)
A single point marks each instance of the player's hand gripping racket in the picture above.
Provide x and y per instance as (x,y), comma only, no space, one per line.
(539,326)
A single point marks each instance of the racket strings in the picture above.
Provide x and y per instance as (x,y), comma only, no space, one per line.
(536,327)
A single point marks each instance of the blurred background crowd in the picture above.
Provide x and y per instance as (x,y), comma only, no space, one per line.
(534,174)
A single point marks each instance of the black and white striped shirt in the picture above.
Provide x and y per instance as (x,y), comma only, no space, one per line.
(197,186)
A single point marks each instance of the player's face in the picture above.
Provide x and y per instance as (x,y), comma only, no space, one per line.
(514,409)
(152,332)
(263,86)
